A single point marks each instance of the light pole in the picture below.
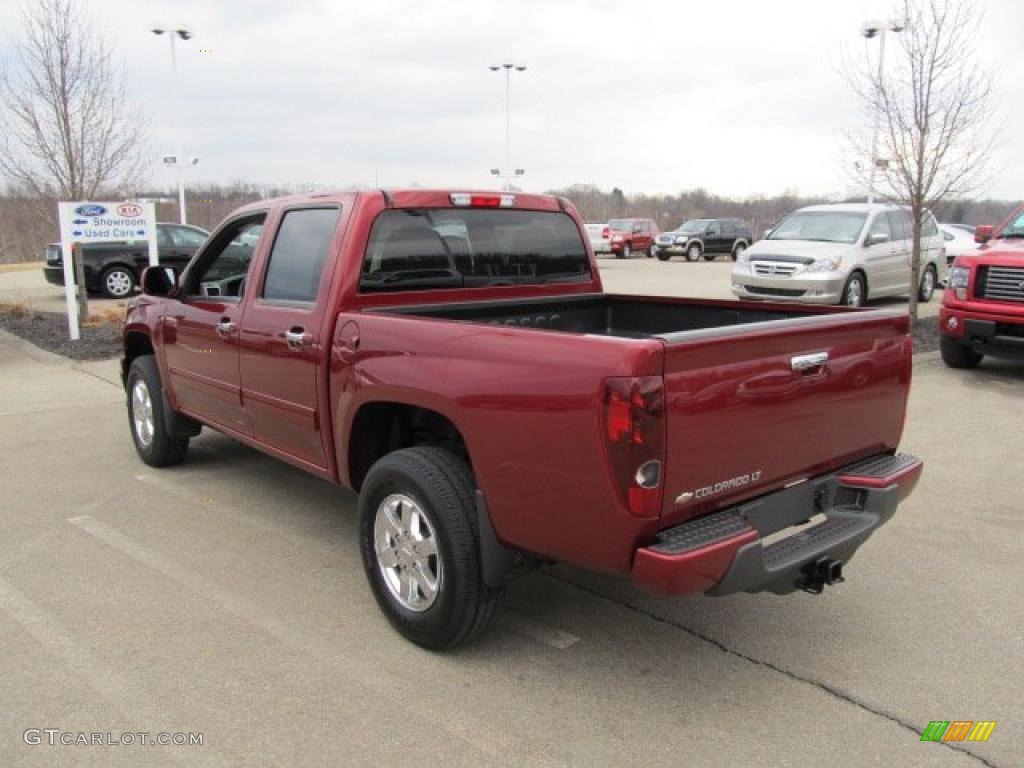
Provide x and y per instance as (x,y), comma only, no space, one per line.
(508,118)
(185,34)
(869,30)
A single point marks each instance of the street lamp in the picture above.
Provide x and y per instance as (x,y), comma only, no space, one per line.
(869,30)
(184,33)
(508,118)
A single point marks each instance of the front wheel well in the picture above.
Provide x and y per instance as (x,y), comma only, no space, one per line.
(381,428)
(136,344)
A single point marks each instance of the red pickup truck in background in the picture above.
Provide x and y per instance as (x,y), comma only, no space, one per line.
(982,309)
(451,356)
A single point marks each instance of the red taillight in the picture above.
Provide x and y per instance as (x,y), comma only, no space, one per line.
(634,432)
(606,233)
(464,199)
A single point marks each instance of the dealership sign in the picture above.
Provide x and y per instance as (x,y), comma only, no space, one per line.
(88,222)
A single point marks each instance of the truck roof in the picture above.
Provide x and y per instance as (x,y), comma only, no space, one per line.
(412,198)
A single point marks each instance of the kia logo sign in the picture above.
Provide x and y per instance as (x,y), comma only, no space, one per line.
(90,210)
(129,210)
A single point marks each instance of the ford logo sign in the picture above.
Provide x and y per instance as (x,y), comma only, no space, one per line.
(90,210)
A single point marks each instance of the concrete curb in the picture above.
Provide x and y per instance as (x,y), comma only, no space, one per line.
(23,267)
(38,354)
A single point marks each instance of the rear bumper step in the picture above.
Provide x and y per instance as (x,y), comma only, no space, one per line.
(724,552)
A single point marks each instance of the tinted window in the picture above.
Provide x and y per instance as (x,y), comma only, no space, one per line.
(224,264)
(471,247)
(299,253)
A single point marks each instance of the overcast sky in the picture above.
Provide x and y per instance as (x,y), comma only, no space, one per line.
(738,97)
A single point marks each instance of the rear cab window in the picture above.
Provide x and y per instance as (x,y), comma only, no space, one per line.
(422,248)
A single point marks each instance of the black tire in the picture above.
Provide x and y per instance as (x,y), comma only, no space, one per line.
(118,282)
(441,484)
(167,440)
(855,292)
(693,252)
(738,250)
(663,255)
(957,355)
(929,279)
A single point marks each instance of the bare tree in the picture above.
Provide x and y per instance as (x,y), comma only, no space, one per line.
(68,130)
(934,111)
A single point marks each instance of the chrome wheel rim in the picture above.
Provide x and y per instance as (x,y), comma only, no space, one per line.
(694,253)
(928,284)
(625,251)
(119,283)
(407,552)
(739,252)
(854,294)
(142,413)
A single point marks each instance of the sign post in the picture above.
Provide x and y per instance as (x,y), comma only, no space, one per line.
(87,222)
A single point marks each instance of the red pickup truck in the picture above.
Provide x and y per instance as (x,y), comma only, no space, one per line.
(452,357)
(982,309)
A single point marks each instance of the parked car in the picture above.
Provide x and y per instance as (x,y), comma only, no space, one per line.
(982,310)
(839,254)
(494,408)
(113,269)
(630,236)
(957,241)
(600,236)
(706,238)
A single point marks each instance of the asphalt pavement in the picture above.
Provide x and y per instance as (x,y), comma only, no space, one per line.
(225,597)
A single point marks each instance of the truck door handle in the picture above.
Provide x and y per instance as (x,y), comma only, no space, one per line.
(296,338)
(225,327)
(812,363)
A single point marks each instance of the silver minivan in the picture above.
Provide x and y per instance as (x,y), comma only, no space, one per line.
(839,254)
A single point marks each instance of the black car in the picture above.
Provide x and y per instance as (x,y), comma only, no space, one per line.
(705,238)
(113,269)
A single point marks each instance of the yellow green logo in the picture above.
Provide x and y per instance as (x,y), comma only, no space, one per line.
(958,730)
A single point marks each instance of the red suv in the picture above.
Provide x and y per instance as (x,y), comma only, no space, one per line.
(982,309)
(631,235)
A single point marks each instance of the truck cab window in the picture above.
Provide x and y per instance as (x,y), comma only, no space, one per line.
(299,252)
(223,265)
(454,248)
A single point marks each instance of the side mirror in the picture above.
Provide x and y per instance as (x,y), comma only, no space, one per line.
(159,281)
(983,233)
(875,238)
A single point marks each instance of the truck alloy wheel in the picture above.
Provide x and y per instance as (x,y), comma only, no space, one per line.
(117,282)
(738,251)
(626,251)
(159,440)
(417,536)
(693,252)
(407,553)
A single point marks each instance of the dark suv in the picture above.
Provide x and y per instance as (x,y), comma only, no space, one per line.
(704,237)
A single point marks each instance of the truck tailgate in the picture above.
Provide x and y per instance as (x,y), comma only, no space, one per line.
(760,407)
